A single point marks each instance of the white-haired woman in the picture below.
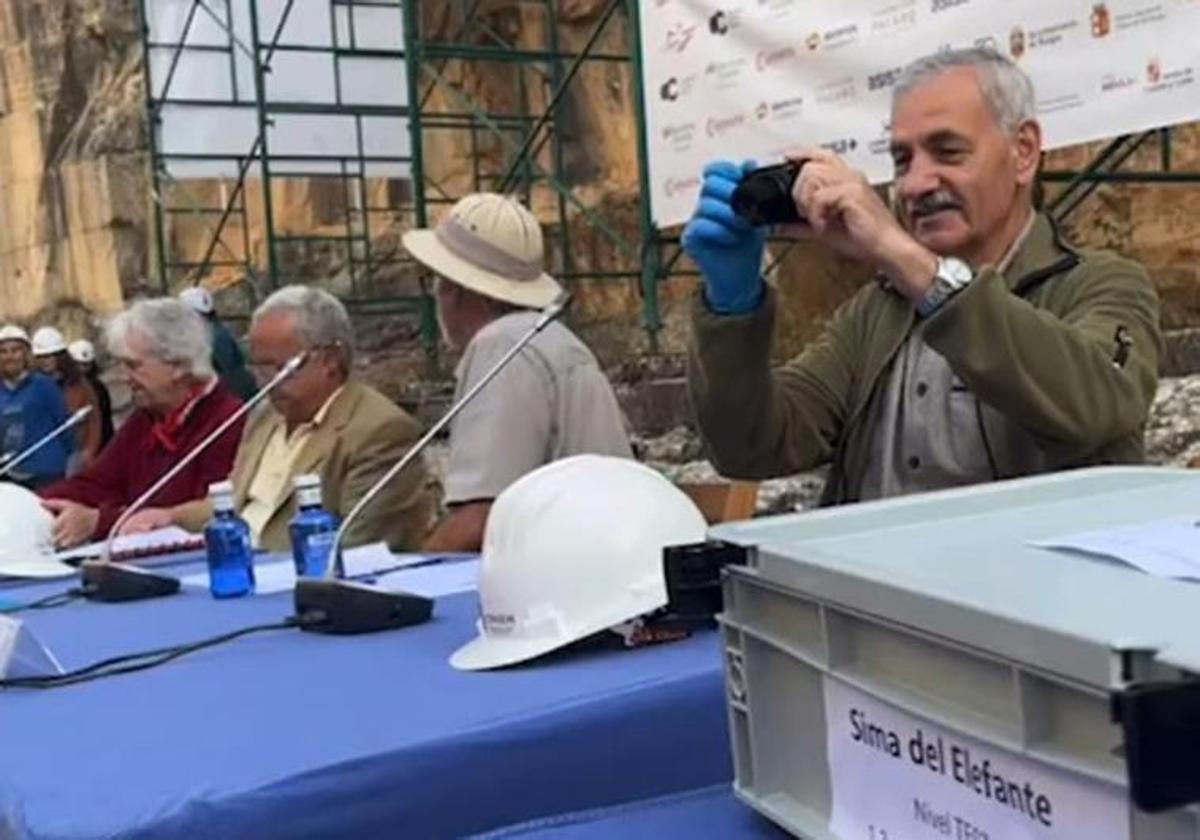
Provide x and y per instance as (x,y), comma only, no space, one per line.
(163,350)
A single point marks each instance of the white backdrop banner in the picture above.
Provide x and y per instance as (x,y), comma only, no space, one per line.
(752,78)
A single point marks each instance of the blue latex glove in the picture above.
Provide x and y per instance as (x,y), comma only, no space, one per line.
(727,248)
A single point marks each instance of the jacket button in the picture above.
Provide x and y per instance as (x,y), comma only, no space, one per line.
(922,389)
(914,462)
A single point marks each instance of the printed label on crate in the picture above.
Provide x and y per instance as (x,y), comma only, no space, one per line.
(898,777)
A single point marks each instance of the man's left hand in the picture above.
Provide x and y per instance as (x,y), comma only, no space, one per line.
(845,212)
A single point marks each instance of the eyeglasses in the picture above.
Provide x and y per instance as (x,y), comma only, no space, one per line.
(266,371)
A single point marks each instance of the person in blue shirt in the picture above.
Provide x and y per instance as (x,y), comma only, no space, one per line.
(31,406)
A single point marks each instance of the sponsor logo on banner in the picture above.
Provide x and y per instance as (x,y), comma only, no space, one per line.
(766,59)
(1016,43)
(986,42)
(679,136)
(936,6)
(832,39)
(676,186)
(761,111)
(676,87)
(841,146)
(679,36)
(1066,102)
(723,21)
(1101,20)
(894,17)
(884,78)
(838,91)
(1112,82)
(717,126)
(1048,36)
(786,109)
(882,145)
(726,73)
(1150,13)
(1159,78)
(777,8)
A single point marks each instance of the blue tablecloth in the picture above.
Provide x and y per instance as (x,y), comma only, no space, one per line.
(297,735)
(708,812)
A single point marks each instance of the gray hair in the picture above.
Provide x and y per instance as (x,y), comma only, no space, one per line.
(176,335)
(321,319)
(1004,85)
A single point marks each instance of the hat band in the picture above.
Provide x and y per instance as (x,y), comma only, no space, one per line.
(467,245)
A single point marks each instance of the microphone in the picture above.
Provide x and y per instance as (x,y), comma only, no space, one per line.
(104,574)
(9,462)
(323,595)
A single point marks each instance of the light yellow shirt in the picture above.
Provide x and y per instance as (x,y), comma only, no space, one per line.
(272,482)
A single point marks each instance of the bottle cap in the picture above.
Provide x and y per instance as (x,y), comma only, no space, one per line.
(221,494)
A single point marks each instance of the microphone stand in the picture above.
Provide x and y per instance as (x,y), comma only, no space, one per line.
(353,608)
(10,462)
(107,581)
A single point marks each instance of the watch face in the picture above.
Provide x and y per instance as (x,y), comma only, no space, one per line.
(955,272)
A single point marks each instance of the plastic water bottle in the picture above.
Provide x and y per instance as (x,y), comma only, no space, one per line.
(312,528)
(227,540)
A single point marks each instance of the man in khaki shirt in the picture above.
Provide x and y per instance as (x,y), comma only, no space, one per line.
(550,402)
(321,421)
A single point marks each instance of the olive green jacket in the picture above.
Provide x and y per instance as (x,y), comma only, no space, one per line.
(1060,352)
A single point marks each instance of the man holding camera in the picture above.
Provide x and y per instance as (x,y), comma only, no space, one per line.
(988,348)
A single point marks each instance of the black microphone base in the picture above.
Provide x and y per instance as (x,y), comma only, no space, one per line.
(113,583)
(344,608)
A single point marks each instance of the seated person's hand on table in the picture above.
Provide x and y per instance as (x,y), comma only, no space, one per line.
(74,523)
(150,519)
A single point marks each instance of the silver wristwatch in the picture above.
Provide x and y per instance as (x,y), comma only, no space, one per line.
(951,277)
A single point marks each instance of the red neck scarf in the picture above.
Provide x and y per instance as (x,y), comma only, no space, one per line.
(167,430)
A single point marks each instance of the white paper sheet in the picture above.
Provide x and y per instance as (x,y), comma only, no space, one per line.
(160,541)
(435,580)
(894,776)
(1163,547)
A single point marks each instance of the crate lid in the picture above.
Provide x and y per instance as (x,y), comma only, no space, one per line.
(958,564)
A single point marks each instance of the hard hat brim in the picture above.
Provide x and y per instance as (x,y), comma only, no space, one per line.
(23,567)
(484,653)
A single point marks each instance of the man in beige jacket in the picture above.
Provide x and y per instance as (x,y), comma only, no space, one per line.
(321,421)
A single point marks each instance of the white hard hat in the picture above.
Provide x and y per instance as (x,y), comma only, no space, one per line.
(11,332)
(26,536)
(198,298)
(47,341)
(82,351)
(570,549)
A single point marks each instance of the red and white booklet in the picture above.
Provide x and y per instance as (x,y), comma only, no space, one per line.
(155,543)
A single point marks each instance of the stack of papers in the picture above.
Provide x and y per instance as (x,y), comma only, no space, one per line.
(160,541)
(1163,547)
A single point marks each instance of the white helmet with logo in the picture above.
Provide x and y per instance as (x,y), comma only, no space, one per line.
(82,351)
(198,299)
(11,332)
(573,548)
(26,536)
(47,341)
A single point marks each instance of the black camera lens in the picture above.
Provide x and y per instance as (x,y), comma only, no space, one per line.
(764,196)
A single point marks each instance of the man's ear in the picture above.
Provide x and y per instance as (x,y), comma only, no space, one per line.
(1027,151)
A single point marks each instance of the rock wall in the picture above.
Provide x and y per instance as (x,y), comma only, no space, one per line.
(73,179)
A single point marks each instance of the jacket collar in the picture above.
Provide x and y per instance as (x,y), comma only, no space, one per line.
(1043,254)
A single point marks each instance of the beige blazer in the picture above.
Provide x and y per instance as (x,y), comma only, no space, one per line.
(362,436)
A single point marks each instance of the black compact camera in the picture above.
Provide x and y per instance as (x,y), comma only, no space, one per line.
(764,196)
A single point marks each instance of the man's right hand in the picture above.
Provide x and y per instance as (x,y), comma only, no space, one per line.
(73,523)
(727,248)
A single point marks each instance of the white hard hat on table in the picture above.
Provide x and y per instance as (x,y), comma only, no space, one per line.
(26,536)
(571,549)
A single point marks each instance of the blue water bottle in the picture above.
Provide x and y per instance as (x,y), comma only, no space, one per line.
(227,540)
(312,528)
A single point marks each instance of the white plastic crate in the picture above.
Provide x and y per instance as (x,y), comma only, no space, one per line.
(928,626)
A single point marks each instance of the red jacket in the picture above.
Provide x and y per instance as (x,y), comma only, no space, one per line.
(136,458)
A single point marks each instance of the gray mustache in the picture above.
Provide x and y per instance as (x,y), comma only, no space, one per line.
(933,203)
